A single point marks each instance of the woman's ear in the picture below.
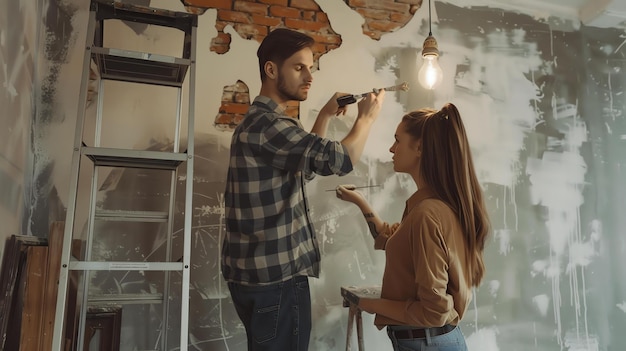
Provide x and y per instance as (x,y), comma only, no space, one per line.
(270,69)
(418,147)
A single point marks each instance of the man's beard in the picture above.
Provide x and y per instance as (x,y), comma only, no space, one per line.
(288,95)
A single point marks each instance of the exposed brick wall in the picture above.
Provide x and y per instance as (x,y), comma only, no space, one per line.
(254,19)
(235,103)
(384,16)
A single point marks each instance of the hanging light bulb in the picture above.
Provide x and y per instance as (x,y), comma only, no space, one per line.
(430,74)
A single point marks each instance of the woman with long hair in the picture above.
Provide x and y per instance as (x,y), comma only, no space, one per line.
(434,256)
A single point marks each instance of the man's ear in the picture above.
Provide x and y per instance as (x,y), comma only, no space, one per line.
(271,70)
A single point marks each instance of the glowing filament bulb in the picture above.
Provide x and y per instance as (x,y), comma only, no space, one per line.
(430,74)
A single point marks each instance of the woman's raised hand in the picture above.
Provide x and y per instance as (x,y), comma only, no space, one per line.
(347,192)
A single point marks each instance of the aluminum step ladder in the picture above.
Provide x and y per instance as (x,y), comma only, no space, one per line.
(167,261)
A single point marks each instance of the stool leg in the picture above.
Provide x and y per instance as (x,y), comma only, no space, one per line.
(359,330)
(351,316)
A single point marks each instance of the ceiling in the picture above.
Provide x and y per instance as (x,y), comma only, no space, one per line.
(594,13)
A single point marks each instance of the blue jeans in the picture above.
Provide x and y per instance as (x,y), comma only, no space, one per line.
(276,316)
(451,341)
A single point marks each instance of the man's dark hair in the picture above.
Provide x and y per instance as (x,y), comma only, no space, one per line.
(279,45)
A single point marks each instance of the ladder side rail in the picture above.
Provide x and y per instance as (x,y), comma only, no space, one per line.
(177,126)
(98,38)
(184,322)
(188,40)
(168,254)
(98,130)
(58,336)
(82,320)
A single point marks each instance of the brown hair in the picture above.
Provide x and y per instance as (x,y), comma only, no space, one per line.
(447,168)
(279,45)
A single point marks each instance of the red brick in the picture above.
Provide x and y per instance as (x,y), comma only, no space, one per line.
(374,14)
(266,20)
(284,12)
(221,43)
(321,17)
(306,25)
(319,47)
(212,4)
(401,17)
(249,31)
(220,49)
(308,15)
(233,16)
(222,39)
(412,2)
(357,3)
(251,7)
(275,2)
(305,4)
(233,108)
(219,25)
(389,5)
(383,26)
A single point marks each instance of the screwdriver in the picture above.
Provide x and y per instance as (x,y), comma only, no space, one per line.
(351,99)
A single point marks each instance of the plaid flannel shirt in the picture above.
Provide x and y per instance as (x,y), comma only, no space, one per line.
(269,235)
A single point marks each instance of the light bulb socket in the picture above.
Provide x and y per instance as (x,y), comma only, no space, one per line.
(430,47)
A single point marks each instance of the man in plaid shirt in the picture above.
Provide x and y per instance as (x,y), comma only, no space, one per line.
(270,248)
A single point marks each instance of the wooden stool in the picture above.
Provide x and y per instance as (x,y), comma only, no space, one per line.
(351,296)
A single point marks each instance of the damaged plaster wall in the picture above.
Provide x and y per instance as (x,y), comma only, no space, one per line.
(544,110)
(18,52)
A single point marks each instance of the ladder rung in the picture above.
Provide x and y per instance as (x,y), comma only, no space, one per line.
(140,67)
(134,158)
(109,9)
(126,299)
(124,266)
(131,216)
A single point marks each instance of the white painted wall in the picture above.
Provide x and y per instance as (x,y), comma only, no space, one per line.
(545,116)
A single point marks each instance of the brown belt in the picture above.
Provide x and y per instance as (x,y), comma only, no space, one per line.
(420,333)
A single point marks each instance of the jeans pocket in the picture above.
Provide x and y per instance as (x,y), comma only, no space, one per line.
(442,347)
(452,341)
(264,322)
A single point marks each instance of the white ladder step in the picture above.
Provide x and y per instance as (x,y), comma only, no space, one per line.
(126,299)
(125,266)
(140,67)
(134,158)
(131,216)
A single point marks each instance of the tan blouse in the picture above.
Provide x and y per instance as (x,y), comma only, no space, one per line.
(425,278)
